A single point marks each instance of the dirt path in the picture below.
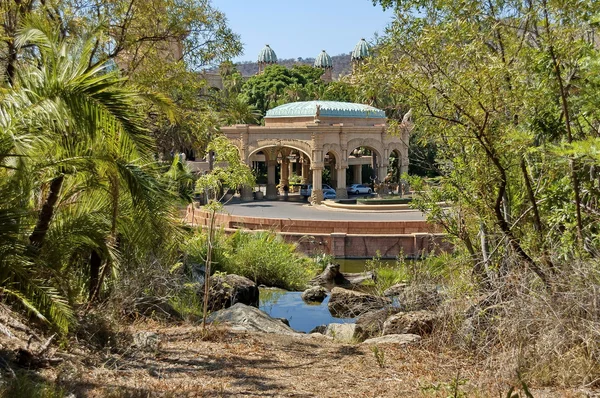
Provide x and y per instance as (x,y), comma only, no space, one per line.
(229,364)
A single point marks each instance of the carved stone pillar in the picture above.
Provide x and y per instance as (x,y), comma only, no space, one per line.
(381,173)
(285,176)
(340,191)
(271,183)
(357,174)
(316,196)
(305,171)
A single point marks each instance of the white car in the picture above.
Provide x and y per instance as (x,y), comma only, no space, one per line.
(306,191)
(358,189)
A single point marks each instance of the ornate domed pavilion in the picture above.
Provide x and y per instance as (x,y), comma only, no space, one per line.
(361,51)
(307,137)
(266,57)
(323,61)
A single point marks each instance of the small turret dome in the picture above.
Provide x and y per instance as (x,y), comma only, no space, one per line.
(361,50)
(323,61)
(267,56)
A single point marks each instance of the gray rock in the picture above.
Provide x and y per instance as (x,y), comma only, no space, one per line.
(319,329)
(314,294)
(399,339)
(284,320)
(419,297)
(370,324)
(247,318)
(416,322)
(226,290)
(345,303)
(147,341)
(153,307)
(342,332)
(395,289)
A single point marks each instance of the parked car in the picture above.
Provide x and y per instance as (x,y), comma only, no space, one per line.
(358,189)
(306,190)
(329,194)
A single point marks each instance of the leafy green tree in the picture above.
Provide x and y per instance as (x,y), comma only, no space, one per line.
(230,173)
(497,87)
(278,84)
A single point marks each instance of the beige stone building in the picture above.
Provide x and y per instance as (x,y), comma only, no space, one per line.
(307,137)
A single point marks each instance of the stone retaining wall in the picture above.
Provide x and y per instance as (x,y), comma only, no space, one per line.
(342,239)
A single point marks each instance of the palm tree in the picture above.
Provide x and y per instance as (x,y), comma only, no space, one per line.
(72,143)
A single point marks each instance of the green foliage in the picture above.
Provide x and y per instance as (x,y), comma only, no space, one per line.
(387,274)
(510,117)
(379,355)
(260,256)
(28,386)
(187,302)
(78,176)
(278,84)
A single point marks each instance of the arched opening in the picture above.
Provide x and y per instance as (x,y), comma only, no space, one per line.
(329,170)
(363,165)
(280,169)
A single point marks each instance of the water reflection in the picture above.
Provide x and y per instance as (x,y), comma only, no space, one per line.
(303,317)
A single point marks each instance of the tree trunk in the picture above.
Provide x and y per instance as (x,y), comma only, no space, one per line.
(332,276)
(95,264)
(38,235)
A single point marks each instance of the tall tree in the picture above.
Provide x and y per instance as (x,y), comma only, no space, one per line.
(497,86)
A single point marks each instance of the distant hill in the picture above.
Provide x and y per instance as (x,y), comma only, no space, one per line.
(342,65)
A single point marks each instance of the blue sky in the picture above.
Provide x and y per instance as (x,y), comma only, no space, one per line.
(302,28)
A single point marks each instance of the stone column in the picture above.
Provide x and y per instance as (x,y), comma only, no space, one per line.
(305,171)
(381,173)
(285,176)
(246,193)
(317,191)
(340,191)
(271,183)
(357,173)
(333,174)
(403,164)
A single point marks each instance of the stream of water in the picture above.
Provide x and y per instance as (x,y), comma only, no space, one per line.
(305,317)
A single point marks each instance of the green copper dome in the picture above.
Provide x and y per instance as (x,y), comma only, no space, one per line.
(327,109)
(323,61)
(361,50)
(267,56)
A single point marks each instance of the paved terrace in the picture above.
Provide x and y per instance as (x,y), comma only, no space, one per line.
(296,208)
(319,229)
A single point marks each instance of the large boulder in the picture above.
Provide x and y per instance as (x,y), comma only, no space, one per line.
(418,297)
(398,339)
(341,332)
(246,318)
(416,322)
(371,323)
(345,303)
(315,294)
(395,290)
(152,307)
(227,290)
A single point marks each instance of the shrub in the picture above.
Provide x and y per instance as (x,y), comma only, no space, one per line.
(266,259)
(262,256)
(26,385)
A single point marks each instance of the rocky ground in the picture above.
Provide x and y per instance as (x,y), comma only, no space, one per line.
(246,353)
(188,362)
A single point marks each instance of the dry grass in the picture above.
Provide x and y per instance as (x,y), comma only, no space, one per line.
(222,363)
(551,337)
